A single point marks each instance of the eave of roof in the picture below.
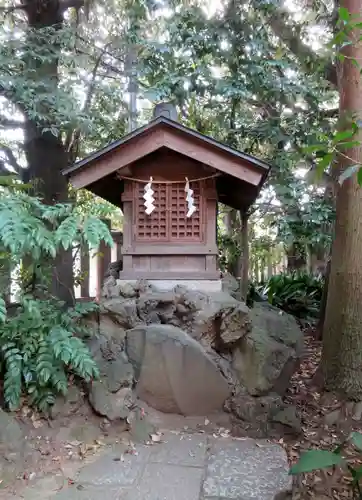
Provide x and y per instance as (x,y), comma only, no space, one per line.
(175,125)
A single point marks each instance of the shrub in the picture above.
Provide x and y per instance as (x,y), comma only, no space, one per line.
(40,342)
(299,294)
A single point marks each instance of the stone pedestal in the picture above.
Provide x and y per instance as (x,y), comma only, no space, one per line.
(195,285)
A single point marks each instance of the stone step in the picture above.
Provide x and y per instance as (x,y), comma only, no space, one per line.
(185,467)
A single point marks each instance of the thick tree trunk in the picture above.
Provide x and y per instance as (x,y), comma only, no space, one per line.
(46,158)
(342,333)
(45,153)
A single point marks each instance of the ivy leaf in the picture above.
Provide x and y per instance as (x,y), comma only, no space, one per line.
(348,172)
(356,439)
(2,310)
(314,460)
(313,148)
(344,14)
(343,135)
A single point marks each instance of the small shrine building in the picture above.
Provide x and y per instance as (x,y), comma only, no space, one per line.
(168,179)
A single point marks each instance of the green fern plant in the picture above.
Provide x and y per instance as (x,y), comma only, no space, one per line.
(40,341)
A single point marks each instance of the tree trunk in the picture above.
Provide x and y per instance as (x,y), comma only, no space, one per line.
(45,153)
(262,270)
(296,258)
(256,270)
(322,311)
(244,273)
(270,264)
(342,334)
(231,221)
(46,158)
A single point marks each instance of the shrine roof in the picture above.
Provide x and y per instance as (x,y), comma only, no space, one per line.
(97,171)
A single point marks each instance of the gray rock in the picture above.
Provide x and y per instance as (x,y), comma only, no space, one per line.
(116,373)
(156,307)
(277,324)
(114,269)
(111,329)
(288,418)
(222,322)
(123,312)
(267,357)
(110,405)
(258,361)
(65,406)
(140,426)
(192,299)
(126,289)
(174,372)
(255,409)
(110,288)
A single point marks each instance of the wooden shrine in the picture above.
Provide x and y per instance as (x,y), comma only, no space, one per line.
(167,179)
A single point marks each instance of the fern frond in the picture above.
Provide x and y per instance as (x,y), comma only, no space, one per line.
(2,310)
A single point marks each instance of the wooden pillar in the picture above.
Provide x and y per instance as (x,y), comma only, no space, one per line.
(244,244)
(118,241)
(5,279)
(102,263)
(84,271)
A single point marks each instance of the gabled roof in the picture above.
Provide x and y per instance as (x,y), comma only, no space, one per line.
(97,171)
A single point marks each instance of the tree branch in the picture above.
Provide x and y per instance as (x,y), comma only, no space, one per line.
(10,123)
(293,41)
(8,10)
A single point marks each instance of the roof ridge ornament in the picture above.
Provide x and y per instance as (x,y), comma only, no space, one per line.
(166,109)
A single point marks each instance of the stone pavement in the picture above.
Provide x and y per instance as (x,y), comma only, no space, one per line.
(184,467)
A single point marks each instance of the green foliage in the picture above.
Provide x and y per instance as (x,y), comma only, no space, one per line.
(316,459)
(40,342)
(313,460)
(299,294)
(39,347)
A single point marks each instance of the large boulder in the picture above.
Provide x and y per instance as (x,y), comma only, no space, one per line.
(267,357)
(122,311)
(113,287)
(114,406)
(216,319)
(221,322)
(174,372)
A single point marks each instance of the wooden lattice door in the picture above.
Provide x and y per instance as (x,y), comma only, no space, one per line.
(153,227)
(168,222)
(182,227)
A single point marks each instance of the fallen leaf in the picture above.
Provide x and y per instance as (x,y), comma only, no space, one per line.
(156,438)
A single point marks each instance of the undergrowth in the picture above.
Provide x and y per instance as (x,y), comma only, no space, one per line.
(40,338)
(298,294)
